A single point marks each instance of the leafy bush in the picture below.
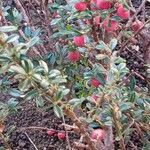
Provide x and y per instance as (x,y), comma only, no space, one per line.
(84,75)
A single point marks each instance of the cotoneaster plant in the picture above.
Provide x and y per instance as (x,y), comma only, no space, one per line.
(98,76)
(87,78)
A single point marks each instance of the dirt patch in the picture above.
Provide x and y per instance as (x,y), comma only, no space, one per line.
(28,115)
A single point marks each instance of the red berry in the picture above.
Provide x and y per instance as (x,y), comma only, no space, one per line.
(88,22)
(79,41)
(55,15)
(97,20)
(94,82)
(122,12)
(73,56)
(61,135)
(104,4)
(51,132)
(94,98)
(136,25)
(110,25)
(80,6)
(98,134)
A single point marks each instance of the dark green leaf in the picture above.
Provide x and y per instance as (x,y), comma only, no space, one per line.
(57,111)
(132,83)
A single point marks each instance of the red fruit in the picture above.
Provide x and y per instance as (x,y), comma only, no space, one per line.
(98,134)
(94,82)
(61,135)
(79,41)
(51,132)
(94,98)
(110,25)
(103,4)
(97,20)
(122,12)
(136,25)
(73,56)
(88,22)
(80,6)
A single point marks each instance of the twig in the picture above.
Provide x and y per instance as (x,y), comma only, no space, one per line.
(67,137)
(135,147)
(31,141)
(134,16)
(117,124)
(133,53)
(143,14)
(129,40)
(80,146)
(138,75)
(5,142)
(69,127)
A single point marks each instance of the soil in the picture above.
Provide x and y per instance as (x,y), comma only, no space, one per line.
(28,115)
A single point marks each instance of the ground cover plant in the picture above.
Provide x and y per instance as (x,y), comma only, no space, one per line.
(83,79)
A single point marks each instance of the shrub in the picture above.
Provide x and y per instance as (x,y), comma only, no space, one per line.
(95,69)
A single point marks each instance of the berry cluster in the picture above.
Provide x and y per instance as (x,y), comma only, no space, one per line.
(60,135)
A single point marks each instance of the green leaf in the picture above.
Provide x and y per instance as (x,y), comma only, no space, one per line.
(54,73)
(98,68)
(37,77)
(132,96)
(74,100)
(55,21)
(15,93)
(125,106)
(8,28)
(59,95)
(44,83)
(59,80)
(57,111)
(12,38)
(23,86)
(2,148)
(31,94)
(27,65)
(39,102)
(44,65)
(4,59)
(121,66)
(102,46)
(113,44)
(101,56)
(33,41)
(132,83)
(12,103)
(65,92)
(18,69)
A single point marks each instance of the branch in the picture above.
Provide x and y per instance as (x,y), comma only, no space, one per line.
(70,114)
(31,141)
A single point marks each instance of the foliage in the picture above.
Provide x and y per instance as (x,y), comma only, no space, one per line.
(66,85)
